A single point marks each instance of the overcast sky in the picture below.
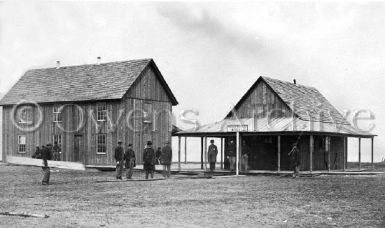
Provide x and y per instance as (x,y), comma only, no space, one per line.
(211,53)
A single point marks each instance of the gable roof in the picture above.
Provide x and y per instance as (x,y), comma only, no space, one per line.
(105,81)
(306,102)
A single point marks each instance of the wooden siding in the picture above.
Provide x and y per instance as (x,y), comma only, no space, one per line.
(119,126)
(261,102)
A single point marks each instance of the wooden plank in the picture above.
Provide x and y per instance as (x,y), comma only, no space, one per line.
(311,152)
(222,145)
(39,163)
(372,150)
(201,152)
(359,153)
(185,150)
(237,154)
(344,153)
(328,150)
(179,147)
(279,153)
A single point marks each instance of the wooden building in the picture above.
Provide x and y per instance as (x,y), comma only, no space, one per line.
(274,114)
(86,109)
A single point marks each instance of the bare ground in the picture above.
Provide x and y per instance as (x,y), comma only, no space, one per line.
(90,199)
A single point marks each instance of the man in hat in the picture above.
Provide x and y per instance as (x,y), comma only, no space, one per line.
(46,155)
(149,160)
(129,157)
(295,160)
(119,157)
(245,156)
(231,152)
(166,159)
(212,156)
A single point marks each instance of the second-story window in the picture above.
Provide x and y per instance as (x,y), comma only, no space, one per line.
(101,112)
(57,116)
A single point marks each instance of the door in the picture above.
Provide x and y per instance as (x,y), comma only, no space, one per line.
(78,147)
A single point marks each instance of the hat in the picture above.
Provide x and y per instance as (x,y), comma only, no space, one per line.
(130,144)
(149,143)
(212,140)
(120,141)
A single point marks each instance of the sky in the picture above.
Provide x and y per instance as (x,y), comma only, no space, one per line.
(211,53)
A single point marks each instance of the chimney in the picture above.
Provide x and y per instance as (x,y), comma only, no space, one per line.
(57,64)
(98,60)
(295,81)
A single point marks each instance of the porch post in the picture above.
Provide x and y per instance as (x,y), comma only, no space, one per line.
(185,150)
(237,156)
(201,152)
(311,152)
(179,142)
(205,153)
(328,150)
(221,153)
(344,153)
(359,153)
(372,152)
(279,154)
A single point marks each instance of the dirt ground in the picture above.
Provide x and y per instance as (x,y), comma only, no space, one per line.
(91,199)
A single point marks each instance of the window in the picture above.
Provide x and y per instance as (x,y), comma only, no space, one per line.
(57,117)
(101,143)
(25,115)
(147,113)
(21,142)
(102,112)
(56,139)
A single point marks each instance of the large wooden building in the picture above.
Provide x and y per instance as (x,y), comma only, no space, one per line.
(86,109)
(274,114)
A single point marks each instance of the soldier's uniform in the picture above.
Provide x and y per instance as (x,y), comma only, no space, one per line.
(129,157)
(212,155)
(295,160)
(119,157)
(46,155)
(149,160)
(166,159)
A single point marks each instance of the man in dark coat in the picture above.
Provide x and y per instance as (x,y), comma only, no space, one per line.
(245,156)
(149,159)
(119,157)
(56,152)
(212,155)
(166,159)
(231,152)
(129,157)
(37,153)
(46,154)
(295,160)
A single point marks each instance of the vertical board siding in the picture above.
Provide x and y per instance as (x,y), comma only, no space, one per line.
(260,102)
(146,90)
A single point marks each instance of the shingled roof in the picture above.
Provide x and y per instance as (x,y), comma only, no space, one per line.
(106,81)
(305,101)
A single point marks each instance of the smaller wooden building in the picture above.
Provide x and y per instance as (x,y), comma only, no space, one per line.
(86,109)
(274,114)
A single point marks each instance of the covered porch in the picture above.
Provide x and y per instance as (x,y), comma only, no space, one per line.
(323,151)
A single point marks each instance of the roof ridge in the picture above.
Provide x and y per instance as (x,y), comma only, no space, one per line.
(279,80)
(92,64)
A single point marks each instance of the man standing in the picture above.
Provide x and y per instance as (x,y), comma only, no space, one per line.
(129,157)
(56,152)
(149,159)
(119,157)
(212,156)
(46,155)
(295,160)
(232,153)
(166,159)
(245,156)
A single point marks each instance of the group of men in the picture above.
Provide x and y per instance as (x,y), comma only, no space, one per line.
(150,158)
(46,153)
